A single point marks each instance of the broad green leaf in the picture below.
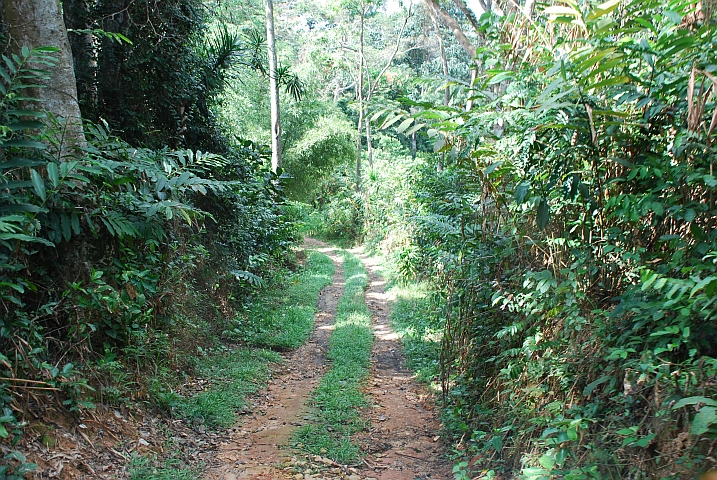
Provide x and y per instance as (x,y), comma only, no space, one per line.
(644,441)
(21,143)
(53,174)
(16,162)
(614,61)
(21,207)
(547,461)
(5,75)
(25,238)
(591,386)
(26,113)
(521,191)
(592,60)
(66,227)
(501,76)
(609,82)
(694,401)
(377,114)
(560,11)
(561,456)
(703,421)
(27,125)
(414,129)
(603,9)
(543,214)
(535,472)
(10,64)
(491,168)
(390,121)
(75,221)
(38,184)
(404,125)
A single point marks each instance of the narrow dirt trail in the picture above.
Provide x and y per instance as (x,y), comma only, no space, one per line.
(252,451)
(402,442)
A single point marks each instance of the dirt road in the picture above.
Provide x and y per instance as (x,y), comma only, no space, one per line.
(402,442)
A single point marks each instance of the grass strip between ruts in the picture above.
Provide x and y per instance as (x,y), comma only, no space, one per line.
(338,398)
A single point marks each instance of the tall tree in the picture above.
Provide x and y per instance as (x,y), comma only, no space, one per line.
(274,88)
(39,23)
(359,94)
(373,86)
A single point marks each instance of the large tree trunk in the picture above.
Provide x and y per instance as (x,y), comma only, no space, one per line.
(39,23)
(84,53)
(274,87)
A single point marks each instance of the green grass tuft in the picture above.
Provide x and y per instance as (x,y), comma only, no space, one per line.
(419,326)
(338,397)
(231,377)
(283,318)
(143,468)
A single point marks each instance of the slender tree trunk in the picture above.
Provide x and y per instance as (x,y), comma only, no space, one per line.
(39,23)
(471,90)
(274,89)
(446,88)
(444,58)
(369,147)
(359,98)
(529,8)
(373,85)
(454,26)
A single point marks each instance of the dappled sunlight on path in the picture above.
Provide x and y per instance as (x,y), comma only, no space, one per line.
(403,441)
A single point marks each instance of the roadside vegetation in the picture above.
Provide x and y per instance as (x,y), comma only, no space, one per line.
(416,320)
(220,381)
(282,318)
(543,170)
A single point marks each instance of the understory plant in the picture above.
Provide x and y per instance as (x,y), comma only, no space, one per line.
(105,252)
(567,224)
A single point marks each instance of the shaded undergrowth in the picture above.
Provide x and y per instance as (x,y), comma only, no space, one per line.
(338,398)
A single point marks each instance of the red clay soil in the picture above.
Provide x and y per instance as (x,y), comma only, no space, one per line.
(402,442)
(254,451)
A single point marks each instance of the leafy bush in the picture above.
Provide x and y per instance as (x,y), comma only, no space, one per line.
(569,234)
(104,254)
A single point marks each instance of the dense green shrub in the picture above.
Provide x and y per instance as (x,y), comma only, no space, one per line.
(104,255)
(571,236)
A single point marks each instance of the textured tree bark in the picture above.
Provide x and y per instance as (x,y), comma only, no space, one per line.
(468,12)
(274,89)
(444,59)
(39,23)
(453,25)
(529,8)
(84,53)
